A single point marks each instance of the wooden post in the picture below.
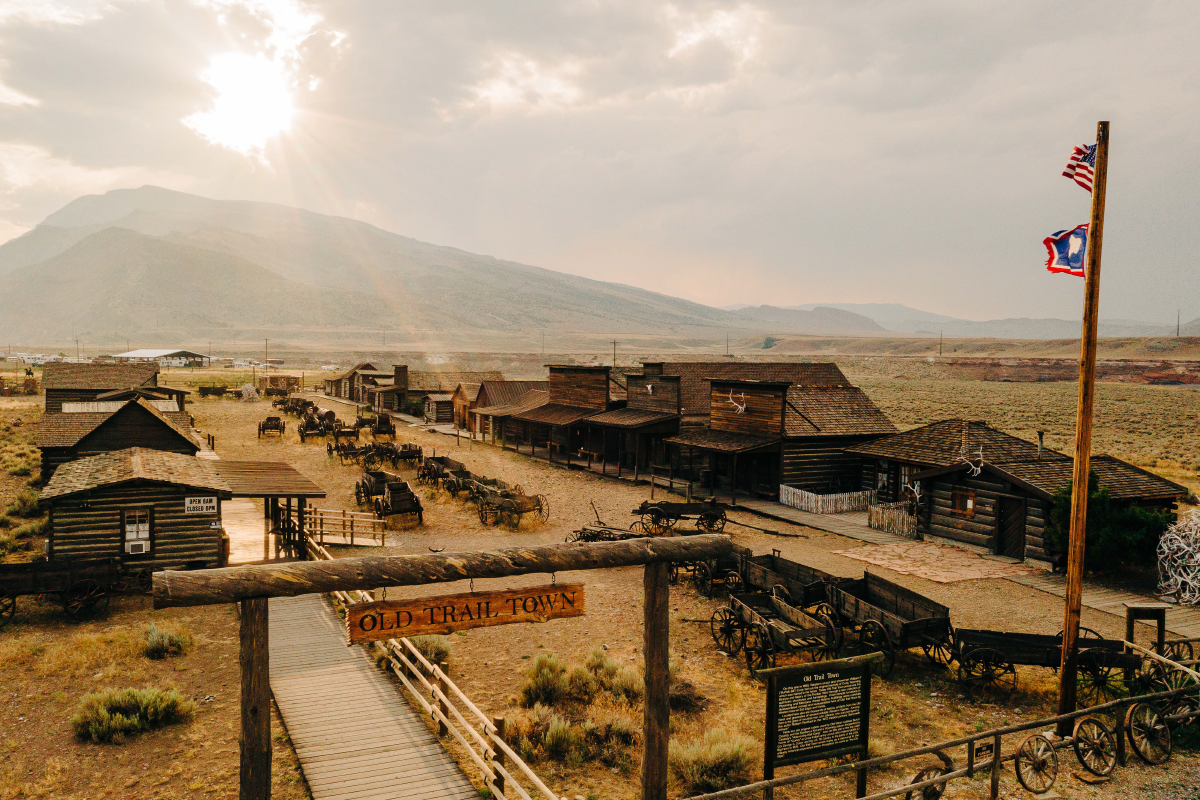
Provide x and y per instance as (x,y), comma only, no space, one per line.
(1083,438)
(301,530)
(255,740)
(441,704)
(637,455)
(656,721)
(733,483)
(499,757)
(995,786)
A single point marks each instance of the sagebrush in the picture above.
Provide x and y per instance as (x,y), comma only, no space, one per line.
(717,761)
(115,714)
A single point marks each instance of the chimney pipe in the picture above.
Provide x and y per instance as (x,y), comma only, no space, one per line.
(1041,435)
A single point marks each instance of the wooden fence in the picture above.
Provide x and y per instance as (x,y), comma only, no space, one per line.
(348,527)
(481,737)
(893,518)
(839,503)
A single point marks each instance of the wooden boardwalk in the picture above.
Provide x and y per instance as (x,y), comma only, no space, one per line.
(1181,620)
(355,736)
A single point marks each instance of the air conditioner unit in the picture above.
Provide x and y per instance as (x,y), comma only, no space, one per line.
(136,548)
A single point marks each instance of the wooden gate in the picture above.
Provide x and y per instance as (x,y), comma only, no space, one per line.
(1011,523)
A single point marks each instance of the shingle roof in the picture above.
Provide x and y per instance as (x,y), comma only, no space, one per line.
(439,397)
(694,377)
(265,479)
(1123,480)
(501,393)
(833,411)
(469,390)
(721,441)
(447,381)
(67,429)
(940,444)
(356,368)
(555,414)
(101,377)
(532,399)
(631,417)
(133,463)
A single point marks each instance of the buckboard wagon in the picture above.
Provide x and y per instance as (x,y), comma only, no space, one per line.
(271,425)
(82,587)
(373,484)
(509,507)
(794,583)
(763,626)
(399,499)
(662,516)
(887,617)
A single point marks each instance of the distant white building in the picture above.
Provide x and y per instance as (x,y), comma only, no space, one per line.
(166,358)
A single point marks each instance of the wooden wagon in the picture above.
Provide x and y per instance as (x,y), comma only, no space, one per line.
(310,426)
(213,391)
(723,573)
(82,586)
(339,432)
(373,484)
(271,425)
(888,617)
(662,516)
(794,583)
(411,454)
(399,499)
(764,626)
(509,507)
(435,469)
(458,481)
(384,425)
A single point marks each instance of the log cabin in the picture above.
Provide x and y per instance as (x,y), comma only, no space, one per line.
(493,421)
(439,408)
(75,383)
(342,386)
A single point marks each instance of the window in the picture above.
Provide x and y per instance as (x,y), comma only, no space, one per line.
(137,531)
(962,502)
(906,473)
(881,476)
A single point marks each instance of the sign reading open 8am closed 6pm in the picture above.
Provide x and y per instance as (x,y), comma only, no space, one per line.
(389,619)
(199,505)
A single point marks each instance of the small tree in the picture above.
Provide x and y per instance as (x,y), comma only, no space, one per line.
(1117,535)
(769,342)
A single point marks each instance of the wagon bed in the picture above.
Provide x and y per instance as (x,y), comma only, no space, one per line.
(795,583)
(81,585)
(889,617)
(764,626)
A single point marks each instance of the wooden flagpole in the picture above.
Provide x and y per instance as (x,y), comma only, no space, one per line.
(1083,436)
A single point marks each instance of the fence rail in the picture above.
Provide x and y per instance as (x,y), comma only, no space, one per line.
(344,525)
(481,737)
(893,518)
(814,503)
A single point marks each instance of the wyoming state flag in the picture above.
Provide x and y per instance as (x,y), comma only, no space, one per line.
(1067,250)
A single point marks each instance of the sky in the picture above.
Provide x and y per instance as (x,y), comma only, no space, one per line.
(904,151)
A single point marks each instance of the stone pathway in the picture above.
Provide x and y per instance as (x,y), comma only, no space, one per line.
(934,562)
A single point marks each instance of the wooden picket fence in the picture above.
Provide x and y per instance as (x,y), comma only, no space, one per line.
(893,518)
(839,503)
(481,737)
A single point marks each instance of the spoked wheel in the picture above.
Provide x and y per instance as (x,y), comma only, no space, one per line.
(929,792)
(733,582)
(827,650)
(1179,651)
(711,521)
(654,521)
(8,609)
(672,573)
(1184,708)
(1036,764)
(1100,680)
(573,536)
(489,515)
(941,652)
(703,579)
(1149,735)
(985,668)
(543,508)
(84,597)
(760,649)
(358,494)
(781,591)
(372,461)
(874,638)
(638,526)
(1095,746)
(727,631)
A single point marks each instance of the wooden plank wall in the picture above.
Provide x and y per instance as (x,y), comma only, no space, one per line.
(979,529)
(579,388)
(763,413)
(1036,511)
(56,397)
(94,531)
(134,426)
(439,411)
(816,463)
(663,394)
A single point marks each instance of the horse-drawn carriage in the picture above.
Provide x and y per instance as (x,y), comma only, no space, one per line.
(662,516)
(82,587)
(271,425)
(399,499)
(764,625)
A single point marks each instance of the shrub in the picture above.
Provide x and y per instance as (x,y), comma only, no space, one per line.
(582,686)
(112,715)
(1116,534)
(26,504)
(627,685)
(5,521)
(560,739)
(160,643)
(547,682)
(435,649)
(603,667)
(716,762)
(38,527)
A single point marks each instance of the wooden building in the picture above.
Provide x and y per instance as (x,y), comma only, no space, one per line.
(364,381)
(145,507)
(464,398)
(491,421)
(1002,508)
(557,428)
(439,408)
(342,385)
(74,383)
(71,435)
(634,437)
(497,395)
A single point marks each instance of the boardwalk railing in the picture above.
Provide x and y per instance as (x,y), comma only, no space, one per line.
(344,525)
(481,737)
(814,503)
(893,518)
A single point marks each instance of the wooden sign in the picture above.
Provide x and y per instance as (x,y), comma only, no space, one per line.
(817,711)
(390,619)
(200,505)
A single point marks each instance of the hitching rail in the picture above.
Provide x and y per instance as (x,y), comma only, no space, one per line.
(972,767)
(322,522)
(442,709)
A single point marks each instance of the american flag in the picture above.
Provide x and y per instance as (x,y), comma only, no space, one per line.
(1082,166)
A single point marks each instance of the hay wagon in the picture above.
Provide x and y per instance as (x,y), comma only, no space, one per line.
(82,587)
(794,583)
(271,425)
(509,507)
(399,499)
(662,516)
(764,626)
(373,484)
(887,618)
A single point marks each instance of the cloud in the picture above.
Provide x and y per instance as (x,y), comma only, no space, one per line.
(27,166)
(519,82)
(49,12)
(11,97)
(737,30)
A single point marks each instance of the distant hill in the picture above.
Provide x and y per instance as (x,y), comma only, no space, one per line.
(817,320)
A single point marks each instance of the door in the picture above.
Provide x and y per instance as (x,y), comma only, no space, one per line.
(1011,523)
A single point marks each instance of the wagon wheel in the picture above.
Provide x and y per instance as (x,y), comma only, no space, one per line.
(380,510)
(85,596)
(760,649)
(1036,764)
(1099,679)
(828,649)
(358,493)
(929,792)
(143,581)
(874,638)
(1179,651)
(1171,679)
(727,631)
(824,608)
(543,508)
(372,460)
(8,608)
(672,573)
(781,591)
(711,521)
(940,652)
(986,668)
(703,579)
(638,526)
(260,430)
(1184,707)
(574,536)
(1095,746)
(488,514)
(511,518)
(654,521)
(733,582)
(1084,633)
(1149,735)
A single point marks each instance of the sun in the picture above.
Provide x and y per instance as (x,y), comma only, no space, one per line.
(253,102)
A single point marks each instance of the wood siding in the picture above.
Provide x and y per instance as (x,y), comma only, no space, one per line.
(93,531)
(439,411)
(653,393)
(982,529)
(821,464)
(56,397)
(762,413)
(579,388)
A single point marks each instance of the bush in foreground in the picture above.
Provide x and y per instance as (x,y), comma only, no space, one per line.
(111,715)
(160,643)
(718,761)
(435,649)
(547,682)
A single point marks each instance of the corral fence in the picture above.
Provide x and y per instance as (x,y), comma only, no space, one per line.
(839,503)
(359,528)
(892,518)
(481,737)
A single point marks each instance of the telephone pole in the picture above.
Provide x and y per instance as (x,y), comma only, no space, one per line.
(1178,311)
(614,344)
(939,344)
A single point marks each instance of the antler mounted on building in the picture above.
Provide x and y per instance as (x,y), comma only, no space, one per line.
(740,407)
